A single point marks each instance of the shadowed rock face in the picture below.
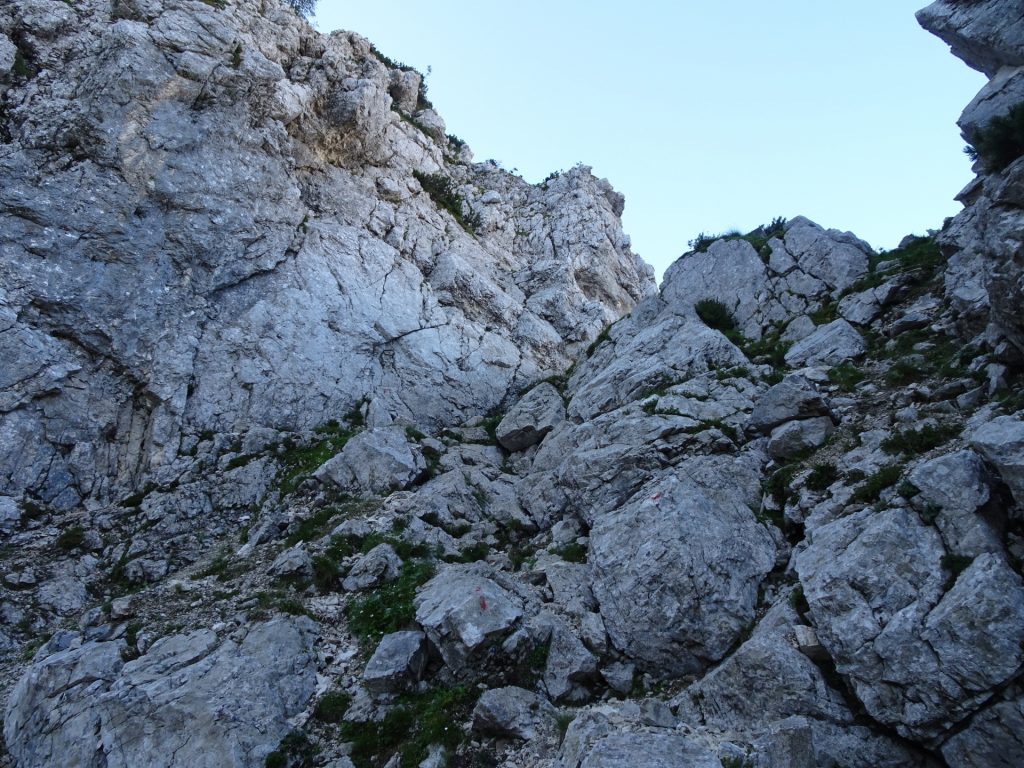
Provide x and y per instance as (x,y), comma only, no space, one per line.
(986,240)
(272,345)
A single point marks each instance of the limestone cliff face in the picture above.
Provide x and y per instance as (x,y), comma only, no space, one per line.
(254,304)
(986,240)
(210,224)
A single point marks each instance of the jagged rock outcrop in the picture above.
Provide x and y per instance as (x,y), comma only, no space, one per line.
(192,699)
(985,240)
(254,251)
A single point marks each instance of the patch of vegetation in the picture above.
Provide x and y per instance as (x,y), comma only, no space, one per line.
(490,426)
(1000,141)
(921,353)
(388,62)
(282,602)
(954,565)
(871,489)
(846,376)
(432,457)
(410,727)
(779,484)
(758,238)
(299,462)
(23,68)
(71,538)
(241,460)
(563,720)
(473,553)
(770,349)
(313,527)
(294,751)
(325,574)
(530,666)
(600,339)
(442,191)
(715,314)
(236,56)
(825,314)
(912,442)
(822,476)
(920,261)
(404,549)
(389,608)
(798,602)
(332,706)
(457,143)
(131,639)
(573,552)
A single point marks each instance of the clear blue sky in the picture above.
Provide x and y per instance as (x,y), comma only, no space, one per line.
(707,116)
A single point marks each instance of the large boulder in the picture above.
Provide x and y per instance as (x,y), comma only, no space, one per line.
(920,654)
(678,566)
(514,712)
(796,437)
(795,397)
(1001,442)
(191,701)
(397,663)
(828,346)
(765,680)
(955,491)
(376,461)
(464,612)
(378,565)
(531,418)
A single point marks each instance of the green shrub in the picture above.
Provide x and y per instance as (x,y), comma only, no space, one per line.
(294,751)
(822,476)
(715,314)
(325,574)
(564,720)
(917,441)
(598,341)
(71,538)
(778,485)
(701,242)
(846,376)
(572,552)
(871,489)
(410,727)
(798,601)
(1001,140)
(904,372)
(236,56)
(770,349)
(298,463)
(303,7)
(332,706)
(389,608)
(22,68)
(474,553)
(954,565)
